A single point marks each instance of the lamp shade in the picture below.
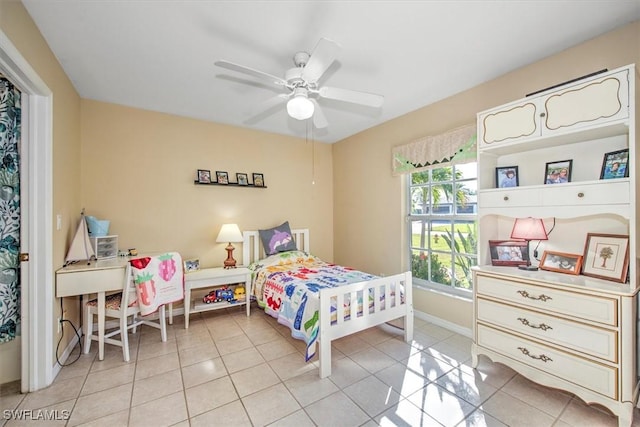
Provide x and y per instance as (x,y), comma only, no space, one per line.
(229,233)
(529,229)
(300,106)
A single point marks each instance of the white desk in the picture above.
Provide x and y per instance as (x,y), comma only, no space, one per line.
(96,277)
(210,278)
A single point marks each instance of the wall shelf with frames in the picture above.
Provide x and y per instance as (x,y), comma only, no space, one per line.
(230,184)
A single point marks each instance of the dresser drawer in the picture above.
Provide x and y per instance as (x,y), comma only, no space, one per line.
(572,304)
(583,338)
(591,375)
(507,198)
(609,193)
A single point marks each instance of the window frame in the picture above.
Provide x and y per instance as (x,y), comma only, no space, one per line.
(451,217)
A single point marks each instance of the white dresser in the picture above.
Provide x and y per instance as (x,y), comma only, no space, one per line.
(572,332)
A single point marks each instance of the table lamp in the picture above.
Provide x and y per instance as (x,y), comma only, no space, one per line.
(229,233)
(528,229)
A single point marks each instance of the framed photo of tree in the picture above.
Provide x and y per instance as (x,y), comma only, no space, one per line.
(606,256)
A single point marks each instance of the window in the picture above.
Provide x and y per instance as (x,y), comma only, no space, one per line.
(443,225)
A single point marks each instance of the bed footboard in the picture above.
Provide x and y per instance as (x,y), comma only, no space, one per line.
(358,317)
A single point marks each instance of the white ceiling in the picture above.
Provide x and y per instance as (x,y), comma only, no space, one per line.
(159,54)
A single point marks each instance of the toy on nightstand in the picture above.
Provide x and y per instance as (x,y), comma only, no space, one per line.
(239,293)
(218,295)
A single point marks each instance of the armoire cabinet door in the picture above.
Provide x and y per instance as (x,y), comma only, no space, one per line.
(588,104)
(509,123)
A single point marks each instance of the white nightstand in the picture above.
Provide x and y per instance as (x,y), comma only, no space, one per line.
(211,278)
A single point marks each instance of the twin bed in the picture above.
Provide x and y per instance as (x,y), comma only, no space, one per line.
(314,298)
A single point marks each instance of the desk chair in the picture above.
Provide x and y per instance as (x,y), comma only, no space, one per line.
(121,305)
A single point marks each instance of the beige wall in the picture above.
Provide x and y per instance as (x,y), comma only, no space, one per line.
(138,171)
(17,25)
(369,203)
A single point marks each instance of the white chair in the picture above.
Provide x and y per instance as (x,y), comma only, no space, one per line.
(121,306)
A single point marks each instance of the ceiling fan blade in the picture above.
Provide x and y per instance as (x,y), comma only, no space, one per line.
(265,108)
(250,71)
(322,57)
(319,119)
(356,97)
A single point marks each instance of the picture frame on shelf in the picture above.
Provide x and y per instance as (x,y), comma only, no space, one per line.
(561,262)
(606,256)
(204,176)
(222,177)
(558,172)
(242,179)
(508,252)
(258,179)
(615,164)
(507,176)
(191,265)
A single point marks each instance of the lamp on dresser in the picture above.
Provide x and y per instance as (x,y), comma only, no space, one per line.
(528,229)
(229,233)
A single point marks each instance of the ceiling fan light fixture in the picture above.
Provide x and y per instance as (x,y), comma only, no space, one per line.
(300,106)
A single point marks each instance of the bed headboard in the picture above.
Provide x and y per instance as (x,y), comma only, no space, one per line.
(252,247)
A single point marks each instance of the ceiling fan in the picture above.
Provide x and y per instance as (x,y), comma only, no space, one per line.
(302,87)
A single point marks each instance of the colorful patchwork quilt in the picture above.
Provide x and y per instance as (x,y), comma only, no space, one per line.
(286,285)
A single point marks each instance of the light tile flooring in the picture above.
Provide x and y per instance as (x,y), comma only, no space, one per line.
(231,370)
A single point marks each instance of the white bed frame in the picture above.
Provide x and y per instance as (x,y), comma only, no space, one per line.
(394,307)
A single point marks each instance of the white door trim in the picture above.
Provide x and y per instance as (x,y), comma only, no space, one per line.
(36,227)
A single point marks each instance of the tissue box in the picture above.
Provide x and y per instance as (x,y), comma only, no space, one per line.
(105,246)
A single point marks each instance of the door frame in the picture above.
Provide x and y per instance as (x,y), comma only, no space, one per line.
(36,176)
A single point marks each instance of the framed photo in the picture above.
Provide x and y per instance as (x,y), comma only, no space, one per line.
(561,262)
(242,179)
(614,165)
(258,180)
(606,256)
(222,177)
(508,252)
(558,172)
(191,265)
(204,176)
(506,176)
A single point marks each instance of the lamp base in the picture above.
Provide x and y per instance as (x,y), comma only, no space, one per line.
(229,262)
(528,267)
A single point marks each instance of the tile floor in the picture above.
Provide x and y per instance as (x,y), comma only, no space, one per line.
(230,370)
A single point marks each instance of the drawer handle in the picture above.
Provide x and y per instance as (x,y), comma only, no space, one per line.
(505,198)
(540,326)
(542,357)
(542,297)
(581,194)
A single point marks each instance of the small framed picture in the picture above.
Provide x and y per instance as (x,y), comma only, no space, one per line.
(242,179)
(222,177)
(606,256)
(614,165)
(558,172)
(258,180)
(508,252)
(204,176)
(191,265)
(561,262)
(506,176)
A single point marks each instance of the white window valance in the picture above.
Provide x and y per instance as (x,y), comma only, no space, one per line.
(455,146)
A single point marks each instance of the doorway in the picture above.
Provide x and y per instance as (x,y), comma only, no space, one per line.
(37,285)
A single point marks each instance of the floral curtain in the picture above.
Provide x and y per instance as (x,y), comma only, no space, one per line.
(455,146)
(9,211)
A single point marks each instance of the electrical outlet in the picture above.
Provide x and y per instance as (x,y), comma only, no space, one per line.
(59,324)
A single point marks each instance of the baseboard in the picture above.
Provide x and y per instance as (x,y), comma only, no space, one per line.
(443,323)
(65,354)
